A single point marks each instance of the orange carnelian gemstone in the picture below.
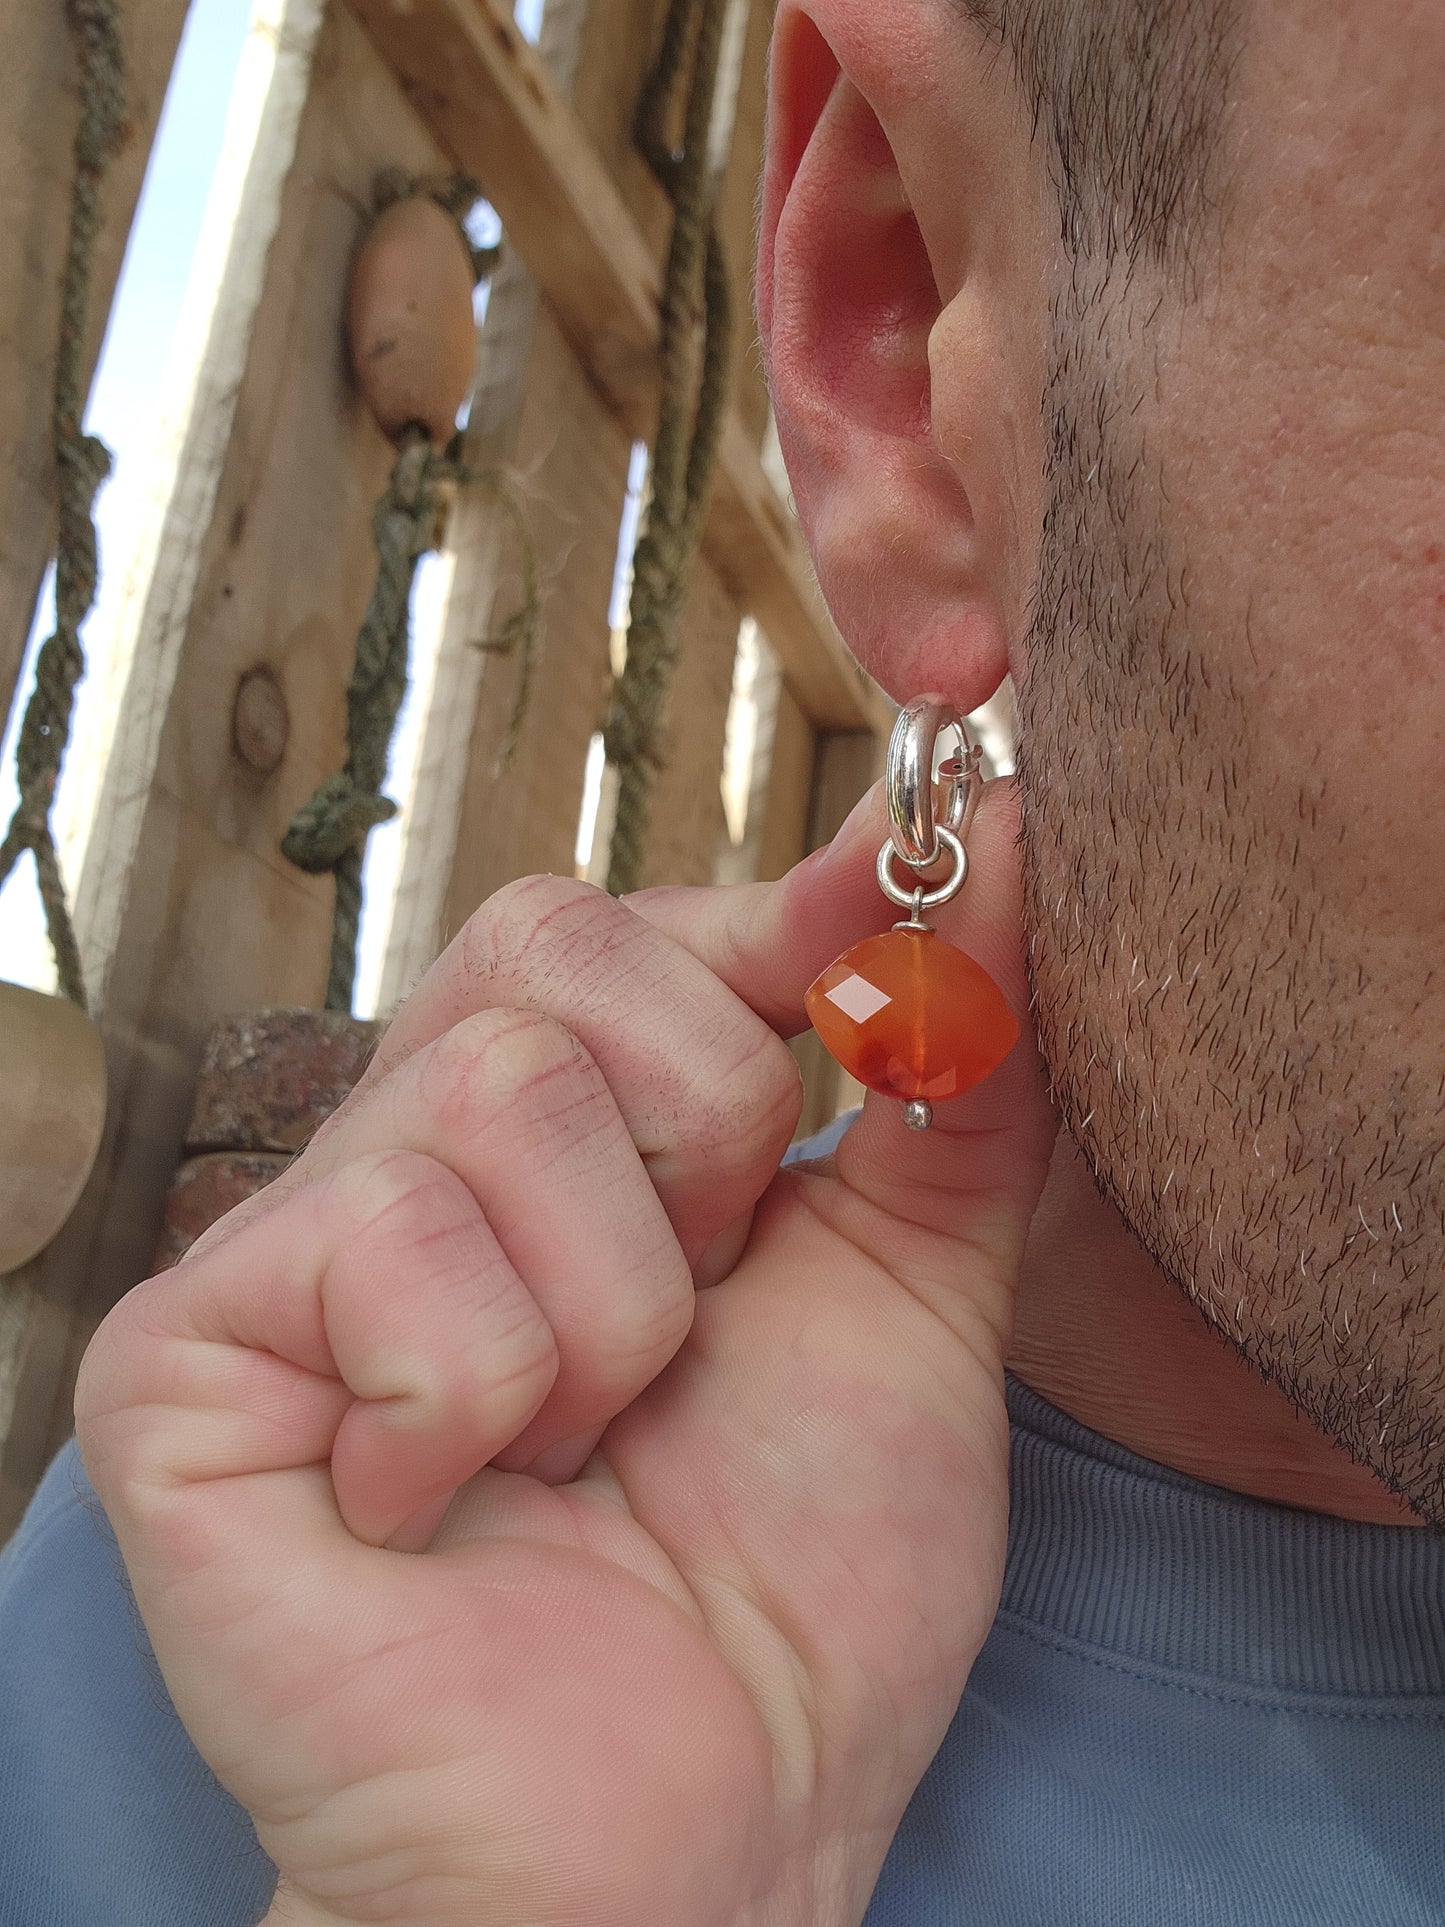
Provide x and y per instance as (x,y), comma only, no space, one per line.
(909,1014)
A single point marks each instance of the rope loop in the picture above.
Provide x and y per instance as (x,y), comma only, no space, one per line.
(338,817)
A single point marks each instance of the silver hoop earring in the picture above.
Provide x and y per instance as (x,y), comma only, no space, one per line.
(908,1013)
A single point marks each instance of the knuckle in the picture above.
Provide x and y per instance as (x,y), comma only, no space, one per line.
(490,1063)
(670,1309)
(750,1097)
(405,1193)
(495,937)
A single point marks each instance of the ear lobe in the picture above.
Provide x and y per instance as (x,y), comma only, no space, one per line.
(847,305)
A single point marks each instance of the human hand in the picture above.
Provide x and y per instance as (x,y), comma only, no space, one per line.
(714,1564)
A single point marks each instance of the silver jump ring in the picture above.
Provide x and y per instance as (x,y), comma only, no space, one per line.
(912,898)
(909,784)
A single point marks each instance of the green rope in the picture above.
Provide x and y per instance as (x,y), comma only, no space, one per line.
(82,463)
(689,425)
(329,831)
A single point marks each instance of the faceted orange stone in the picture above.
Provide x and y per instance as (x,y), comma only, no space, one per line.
(909,1014)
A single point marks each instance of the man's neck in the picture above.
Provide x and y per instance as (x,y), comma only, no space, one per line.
(1104,1336)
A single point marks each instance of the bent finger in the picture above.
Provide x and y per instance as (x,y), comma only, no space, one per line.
(516,1107)
(362,1350)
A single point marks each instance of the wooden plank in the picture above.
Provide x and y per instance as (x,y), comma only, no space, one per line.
(477,557)
(752,717)
(687,828)
(487,96)
(570,456)
(849,760)
(686,839)
(608,85)
(480,554)
(753,542)
(574,455)
(786,830)
(39,104)
(211,919)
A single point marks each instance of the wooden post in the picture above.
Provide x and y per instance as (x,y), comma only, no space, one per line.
(262,566)
(574,455)
(571,453)
(687,830)
(736,213)
(535,417)
(38,110)
(489,99)
(686,835)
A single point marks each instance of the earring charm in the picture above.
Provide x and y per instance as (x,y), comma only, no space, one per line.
(908,1013)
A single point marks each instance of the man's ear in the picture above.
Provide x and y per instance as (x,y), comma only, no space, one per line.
(901,298)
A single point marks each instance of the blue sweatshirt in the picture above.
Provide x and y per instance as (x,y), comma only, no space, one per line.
(1194,1710)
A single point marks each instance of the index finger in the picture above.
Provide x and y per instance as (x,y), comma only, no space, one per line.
(706,1089)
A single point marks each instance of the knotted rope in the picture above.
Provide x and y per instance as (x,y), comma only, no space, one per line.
(330,830)
(689,422)
(82,463)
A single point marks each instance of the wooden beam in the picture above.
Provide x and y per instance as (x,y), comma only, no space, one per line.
(687,826)
(574,454)
(262,563)
(490,102)
(523,420)
(687,839)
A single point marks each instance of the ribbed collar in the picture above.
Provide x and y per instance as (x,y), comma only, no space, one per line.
(1151,1566)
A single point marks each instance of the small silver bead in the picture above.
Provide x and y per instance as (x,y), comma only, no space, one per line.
(918,1114)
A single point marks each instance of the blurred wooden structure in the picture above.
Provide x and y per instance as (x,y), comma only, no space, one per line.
(258,557)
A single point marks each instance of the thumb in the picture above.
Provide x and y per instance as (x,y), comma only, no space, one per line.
(981,1165)
(769,941)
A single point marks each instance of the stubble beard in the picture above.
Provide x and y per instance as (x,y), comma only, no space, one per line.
(1247,1100)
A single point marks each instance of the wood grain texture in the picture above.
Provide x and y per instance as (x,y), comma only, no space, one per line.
(488,98)
(527,384)
(785,833)
(687,832)
(207,918)
(573,454)
(687,828)
(39,105)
